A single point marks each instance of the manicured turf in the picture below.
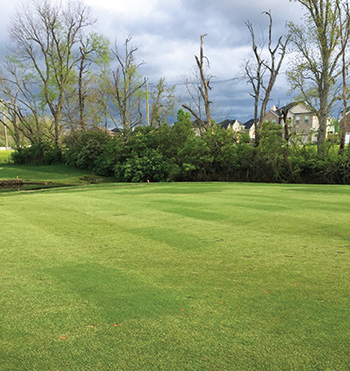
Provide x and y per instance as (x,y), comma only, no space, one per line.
(175,277)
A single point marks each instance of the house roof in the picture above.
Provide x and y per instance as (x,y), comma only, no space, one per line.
(116,130)
(224,124)
(287,107)
(249,124)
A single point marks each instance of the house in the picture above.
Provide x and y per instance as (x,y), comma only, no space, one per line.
(250,128)
(240,127)
(299,118)
(347,127)
(232,124)
(274,115)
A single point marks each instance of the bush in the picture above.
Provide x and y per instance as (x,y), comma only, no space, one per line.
(44,153)
(151,166)
(85,147)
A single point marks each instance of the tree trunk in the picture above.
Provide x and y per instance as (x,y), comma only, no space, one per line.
(323,117)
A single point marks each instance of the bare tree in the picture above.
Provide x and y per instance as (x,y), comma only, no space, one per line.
(273,65)
(45,35)
(203,89)
(127,87)
(265,68)
(255,75)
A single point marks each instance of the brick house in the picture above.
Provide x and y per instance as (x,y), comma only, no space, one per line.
(299,118)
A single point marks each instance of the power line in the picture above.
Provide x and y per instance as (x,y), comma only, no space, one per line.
(233,79)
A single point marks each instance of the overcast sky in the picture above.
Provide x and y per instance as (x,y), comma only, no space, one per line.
(167,33)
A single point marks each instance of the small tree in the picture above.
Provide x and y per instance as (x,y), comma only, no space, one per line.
(162,102)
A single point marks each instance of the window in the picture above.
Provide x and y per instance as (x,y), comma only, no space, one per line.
(297,120)
(306,119)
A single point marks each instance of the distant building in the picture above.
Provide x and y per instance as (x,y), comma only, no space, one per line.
(347,127)
(235,125)
(239,127)
(298,117)
(250,128)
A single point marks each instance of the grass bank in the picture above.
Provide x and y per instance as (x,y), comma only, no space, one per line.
(195,276)
(53,175)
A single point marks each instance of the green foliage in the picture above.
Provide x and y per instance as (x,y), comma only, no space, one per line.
(175,153)
(271,152)
(44,153)
(162,104)
(85,147)
(195,158)
(149,166)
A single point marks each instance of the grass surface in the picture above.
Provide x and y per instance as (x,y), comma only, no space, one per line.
(57,174)
(5,156)
(196,276)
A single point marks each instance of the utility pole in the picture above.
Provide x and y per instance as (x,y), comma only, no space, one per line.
(147,104)
(6,139)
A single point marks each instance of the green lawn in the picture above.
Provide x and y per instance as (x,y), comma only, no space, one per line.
(56,174)
(196,276)
(5,156)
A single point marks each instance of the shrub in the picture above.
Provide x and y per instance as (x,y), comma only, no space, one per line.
(84,147)
(151,166)
(43,153)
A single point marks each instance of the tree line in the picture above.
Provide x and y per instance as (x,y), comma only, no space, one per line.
(60,78)
(176,153)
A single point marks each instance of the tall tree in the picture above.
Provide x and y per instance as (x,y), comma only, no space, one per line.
(264,74)
(255,73)
(316,68)
(127,86)
(45,34)
(273,64)
(91,69)
(344,31)
(203,88)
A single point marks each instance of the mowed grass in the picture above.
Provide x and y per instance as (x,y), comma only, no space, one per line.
(189,276)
